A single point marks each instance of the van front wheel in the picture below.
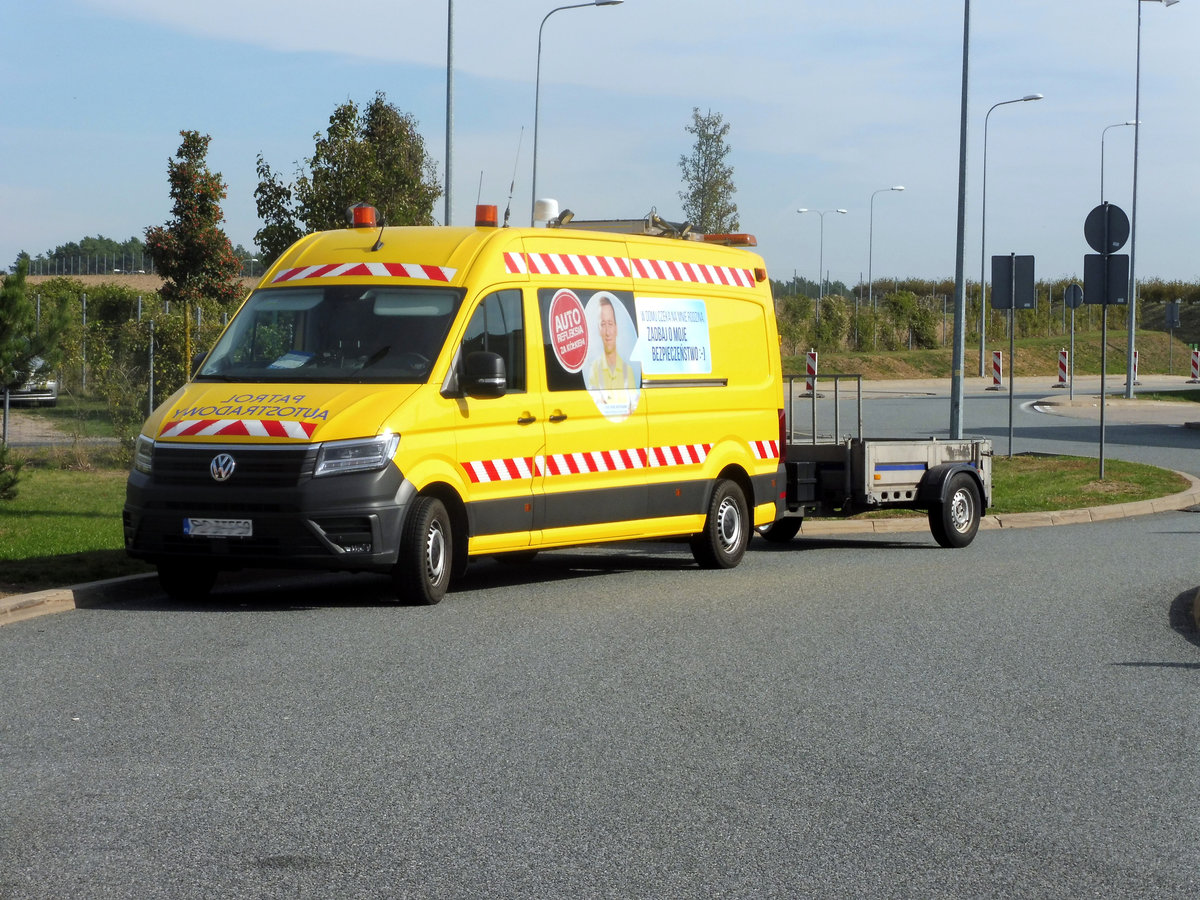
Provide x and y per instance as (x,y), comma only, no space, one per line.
(422,572)
(726,533)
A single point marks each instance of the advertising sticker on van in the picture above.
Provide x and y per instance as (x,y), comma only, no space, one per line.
(589,337)
(673,336)
(568,330)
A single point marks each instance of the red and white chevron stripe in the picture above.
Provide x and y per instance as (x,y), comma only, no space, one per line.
(765,449)
(492,470)
(367,270)
(598,461)
(666,270)
(620,267)
(679,455)
(566,264)
(275,428)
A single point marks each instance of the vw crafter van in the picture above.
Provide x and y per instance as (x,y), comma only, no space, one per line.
(400,400)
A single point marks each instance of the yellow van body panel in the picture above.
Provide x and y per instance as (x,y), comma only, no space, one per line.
(639,371)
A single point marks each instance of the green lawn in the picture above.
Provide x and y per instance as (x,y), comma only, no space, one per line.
(63,528)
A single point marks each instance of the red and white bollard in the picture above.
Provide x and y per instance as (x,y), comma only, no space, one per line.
(1062,368)
(997,370)
(810,380)
(1135,365)
(1195,379)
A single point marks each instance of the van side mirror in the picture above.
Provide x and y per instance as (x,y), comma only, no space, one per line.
(484,374)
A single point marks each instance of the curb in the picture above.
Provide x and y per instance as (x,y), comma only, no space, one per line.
(19,607)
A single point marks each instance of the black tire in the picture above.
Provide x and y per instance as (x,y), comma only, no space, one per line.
(186,582)
(781,530)
(726,528)
(955,522)
(422,572)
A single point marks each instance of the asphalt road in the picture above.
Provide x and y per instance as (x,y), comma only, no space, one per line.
(871,716)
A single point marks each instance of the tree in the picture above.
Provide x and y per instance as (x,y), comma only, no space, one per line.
(28,347)
(375,155)
(707,177)
(191,252)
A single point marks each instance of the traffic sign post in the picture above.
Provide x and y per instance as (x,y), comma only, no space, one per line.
(1105,277)
(1172,323)
(1012,288)
(1074,299)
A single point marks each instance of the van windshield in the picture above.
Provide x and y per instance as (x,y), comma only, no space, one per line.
(355,333)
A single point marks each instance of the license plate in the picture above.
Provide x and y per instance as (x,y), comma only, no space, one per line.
(218,527)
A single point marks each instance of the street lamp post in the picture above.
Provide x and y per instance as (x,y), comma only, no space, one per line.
(1137,117)
(983,233)
(870,260)
(821,257)
(1103,134)
(537,89)
(449,108)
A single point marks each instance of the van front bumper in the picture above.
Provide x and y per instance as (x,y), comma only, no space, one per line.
(285,517)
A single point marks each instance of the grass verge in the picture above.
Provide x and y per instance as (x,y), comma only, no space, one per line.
(63,528)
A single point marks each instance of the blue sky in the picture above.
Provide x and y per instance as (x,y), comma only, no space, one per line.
(827,103)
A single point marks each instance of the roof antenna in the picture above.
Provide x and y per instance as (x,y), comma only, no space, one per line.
(512,184)
(378,245)
(479,193)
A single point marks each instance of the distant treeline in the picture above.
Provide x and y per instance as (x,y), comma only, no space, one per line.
(99,256)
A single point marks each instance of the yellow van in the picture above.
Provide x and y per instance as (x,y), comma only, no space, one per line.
(398,400)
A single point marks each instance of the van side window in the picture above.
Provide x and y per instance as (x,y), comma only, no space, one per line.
(498,326)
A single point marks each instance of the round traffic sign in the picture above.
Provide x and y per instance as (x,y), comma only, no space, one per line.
(1074,296)
(1106,228)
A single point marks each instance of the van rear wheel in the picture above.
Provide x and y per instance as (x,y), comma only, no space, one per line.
(422,571)
(726,533)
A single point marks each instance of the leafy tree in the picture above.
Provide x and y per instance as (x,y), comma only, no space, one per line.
(191,251)
(707,177)
(27,347)
(23,339)
(374,155)
(277,211)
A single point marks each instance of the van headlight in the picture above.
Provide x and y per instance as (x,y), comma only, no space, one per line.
(143,454)
(362,455)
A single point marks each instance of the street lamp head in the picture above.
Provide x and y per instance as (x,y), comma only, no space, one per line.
(615,2)
(898,187)
(1169,2)
(802,210)
(842,211)
(1039,96)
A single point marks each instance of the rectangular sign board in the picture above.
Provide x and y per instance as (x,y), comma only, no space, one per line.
(1012,283)
(1110,288)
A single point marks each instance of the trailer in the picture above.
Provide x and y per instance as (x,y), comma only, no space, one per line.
(948,479)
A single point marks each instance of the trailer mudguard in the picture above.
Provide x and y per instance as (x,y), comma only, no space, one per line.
(934,486)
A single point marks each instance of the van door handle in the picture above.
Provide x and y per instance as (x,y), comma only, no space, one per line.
(526,420)
(558,417)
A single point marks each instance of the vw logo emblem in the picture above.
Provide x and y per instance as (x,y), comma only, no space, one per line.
(221,467)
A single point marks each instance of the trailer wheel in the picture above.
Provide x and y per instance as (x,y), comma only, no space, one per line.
(185,582)
(955,522)
(726,533)
(781,530)
(422,571)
